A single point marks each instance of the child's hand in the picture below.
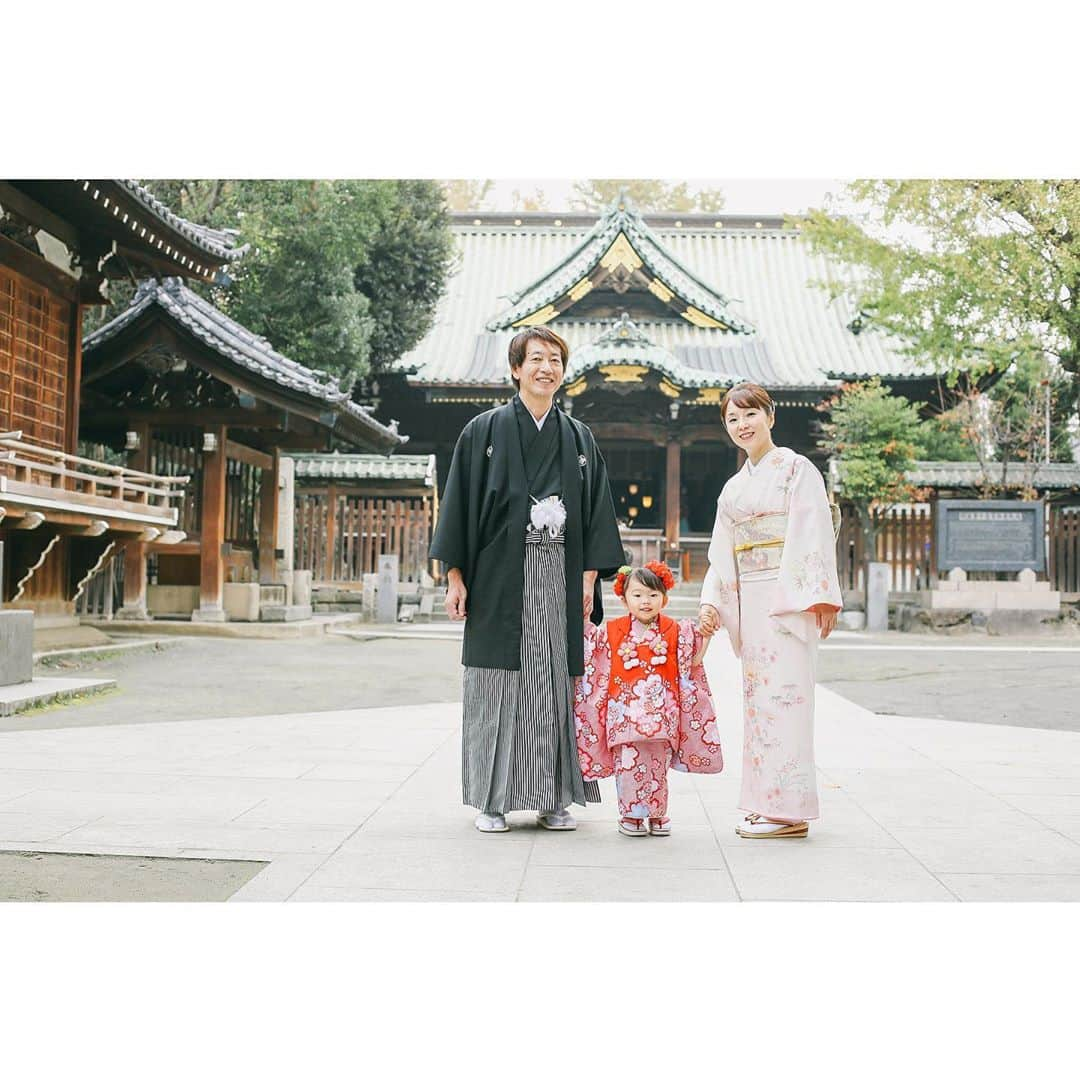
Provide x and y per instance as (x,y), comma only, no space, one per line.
(708,620)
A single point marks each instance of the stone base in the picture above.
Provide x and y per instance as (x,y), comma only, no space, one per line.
(47,691)
(212,615)
(16,647)
(132,614)
(285,612)
(1000,623)
(851,620)
(240,599)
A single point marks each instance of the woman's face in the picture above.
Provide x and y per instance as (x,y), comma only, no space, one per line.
(750,428)
(541,372)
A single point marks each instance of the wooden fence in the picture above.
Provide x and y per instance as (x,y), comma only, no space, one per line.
(339,537)
(905,542)
(1063,543)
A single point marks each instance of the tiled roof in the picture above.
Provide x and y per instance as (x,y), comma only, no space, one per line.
(221,243)
(1054,475)
(418,468)
(625,343)
(620,217)
(799,335)
(240,346)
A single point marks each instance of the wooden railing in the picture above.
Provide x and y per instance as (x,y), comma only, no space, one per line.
(29,469)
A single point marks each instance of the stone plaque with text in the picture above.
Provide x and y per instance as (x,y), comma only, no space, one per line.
(991,534)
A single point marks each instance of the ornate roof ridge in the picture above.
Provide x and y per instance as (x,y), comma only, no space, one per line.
(560,287)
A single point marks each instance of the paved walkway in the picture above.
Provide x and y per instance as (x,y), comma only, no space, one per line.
(363,805)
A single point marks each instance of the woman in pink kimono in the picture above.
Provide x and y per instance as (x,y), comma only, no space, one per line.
(772,584)
(643,705)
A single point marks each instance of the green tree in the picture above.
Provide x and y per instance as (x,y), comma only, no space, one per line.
(341,275)
(966,274)
(874,436)
(656,196)
(947,437)
(403,267)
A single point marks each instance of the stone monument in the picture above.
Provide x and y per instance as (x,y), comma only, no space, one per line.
(386,596)
(999,535)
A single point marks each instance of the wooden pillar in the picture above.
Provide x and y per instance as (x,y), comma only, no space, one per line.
(268,521)
(134,606)
(673,494)
(331,532)
(211,562)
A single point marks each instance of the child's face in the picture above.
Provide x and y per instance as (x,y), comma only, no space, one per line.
(644,603)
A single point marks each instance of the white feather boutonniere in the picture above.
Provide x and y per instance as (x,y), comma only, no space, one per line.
(549,513)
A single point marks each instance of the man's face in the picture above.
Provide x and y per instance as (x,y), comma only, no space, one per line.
(541,371)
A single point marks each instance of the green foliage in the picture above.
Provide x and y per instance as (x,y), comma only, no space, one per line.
(403,267)
(966,272)
(647,195)
(945,437)
(874,436)
(341,275)
(1018,403)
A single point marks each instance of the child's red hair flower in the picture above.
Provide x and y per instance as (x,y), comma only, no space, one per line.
(663,572)
(620,580)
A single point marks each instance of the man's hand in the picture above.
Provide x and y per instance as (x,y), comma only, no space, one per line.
(708,620)
(588,585)
(455,595)
(825,617)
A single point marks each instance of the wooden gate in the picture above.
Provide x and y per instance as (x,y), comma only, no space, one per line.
(339,537)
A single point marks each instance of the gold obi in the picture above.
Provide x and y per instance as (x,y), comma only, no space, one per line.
(759,542)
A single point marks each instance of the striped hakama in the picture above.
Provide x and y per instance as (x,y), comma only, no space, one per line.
(519,749)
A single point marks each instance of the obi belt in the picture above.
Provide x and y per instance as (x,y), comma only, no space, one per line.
(759,543)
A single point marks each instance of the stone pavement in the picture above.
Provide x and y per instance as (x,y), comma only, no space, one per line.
(363,804)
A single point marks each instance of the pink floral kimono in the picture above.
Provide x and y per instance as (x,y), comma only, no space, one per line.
(642,707)
(773,557)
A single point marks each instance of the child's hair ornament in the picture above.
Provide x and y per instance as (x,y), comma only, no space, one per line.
(660,569)
(663,572)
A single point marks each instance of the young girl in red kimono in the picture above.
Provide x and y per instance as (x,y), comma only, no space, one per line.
(643,705)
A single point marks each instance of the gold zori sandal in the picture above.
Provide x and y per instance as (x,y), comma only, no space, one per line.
(755,827)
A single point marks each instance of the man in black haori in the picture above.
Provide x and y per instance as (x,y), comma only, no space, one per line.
(526,528)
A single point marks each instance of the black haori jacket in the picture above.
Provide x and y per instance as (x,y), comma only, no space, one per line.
(481,530)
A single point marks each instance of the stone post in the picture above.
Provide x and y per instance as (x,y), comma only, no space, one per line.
(877,596)
(386,598)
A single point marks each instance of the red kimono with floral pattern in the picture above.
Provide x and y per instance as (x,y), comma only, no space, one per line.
(641,685)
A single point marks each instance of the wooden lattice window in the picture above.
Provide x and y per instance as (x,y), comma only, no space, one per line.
(35,351)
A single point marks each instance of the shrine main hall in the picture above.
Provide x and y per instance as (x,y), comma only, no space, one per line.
(662,314)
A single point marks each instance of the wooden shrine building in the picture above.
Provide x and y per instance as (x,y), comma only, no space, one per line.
(662,313)
(188,390)
(63,515)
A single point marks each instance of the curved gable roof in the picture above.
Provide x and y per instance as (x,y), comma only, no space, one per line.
(619,247)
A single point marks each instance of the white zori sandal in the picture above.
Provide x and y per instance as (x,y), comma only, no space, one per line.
(630,826)
(755,827)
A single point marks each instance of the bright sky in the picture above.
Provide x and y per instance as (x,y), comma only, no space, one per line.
(741,196)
